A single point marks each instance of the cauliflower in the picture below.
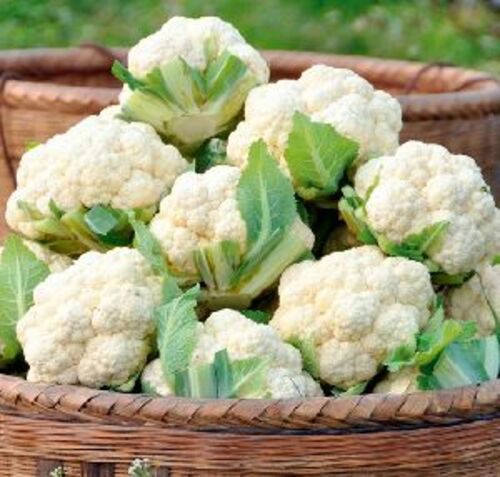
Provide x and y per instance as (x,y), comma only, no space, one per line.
(424,202)
(55,261)
(334,96)
(209,226)
(401,382)
(190,79)
(93,322)
(243,338)
(202,209)
(354,308)
(98,162)
(478,299)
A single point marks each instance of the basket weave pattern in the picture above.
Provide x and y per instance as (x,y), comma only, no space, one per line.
(97,433)
(417,434)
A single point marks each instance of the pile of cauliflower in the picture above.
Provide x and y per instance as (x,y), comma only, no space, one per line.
(217,235)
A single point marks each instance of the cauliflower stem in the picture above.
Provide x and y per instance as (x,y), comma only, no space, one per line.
(187,105)
(234,284)
(222,378)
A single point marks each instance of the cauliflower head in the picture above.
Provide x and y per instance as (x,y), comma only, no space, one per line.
(243,338)
(189,80)
(202,210)
(422,185)
(354,307)
(478,299)
(335,96)
(99,161)
(92,323)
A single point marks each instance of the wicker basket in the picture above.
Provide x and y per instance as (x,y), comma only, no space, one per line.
(97,434)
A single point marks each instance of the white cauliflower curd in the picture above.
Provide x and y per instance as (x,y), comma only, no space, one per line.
(98,161)
(92,323)
(334,96)
(198,41)
(201,210)
(354,307)
(243,338)
(422,185)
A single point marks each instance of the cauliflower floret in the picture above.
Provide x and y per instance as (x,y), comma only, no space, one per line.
(355,307)
(334,96)
(202,209)
(55,261)
(198,41)
(93,322)
(476,298)
(99,161)
(401,382)
(243,338)
(153,380)
(422,184)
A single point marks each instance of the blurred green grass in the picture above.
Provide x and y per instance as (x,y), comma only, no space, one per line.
(463,32)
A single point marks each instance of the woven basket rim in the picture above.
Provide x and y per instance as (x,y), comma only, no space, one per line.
(469,92)
(341,414)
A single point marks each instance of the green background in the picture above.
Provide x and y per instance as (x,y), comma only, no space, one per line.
(463,32)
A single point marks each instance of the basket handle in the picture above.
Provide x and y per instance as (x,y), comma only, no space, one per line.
(101,49)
